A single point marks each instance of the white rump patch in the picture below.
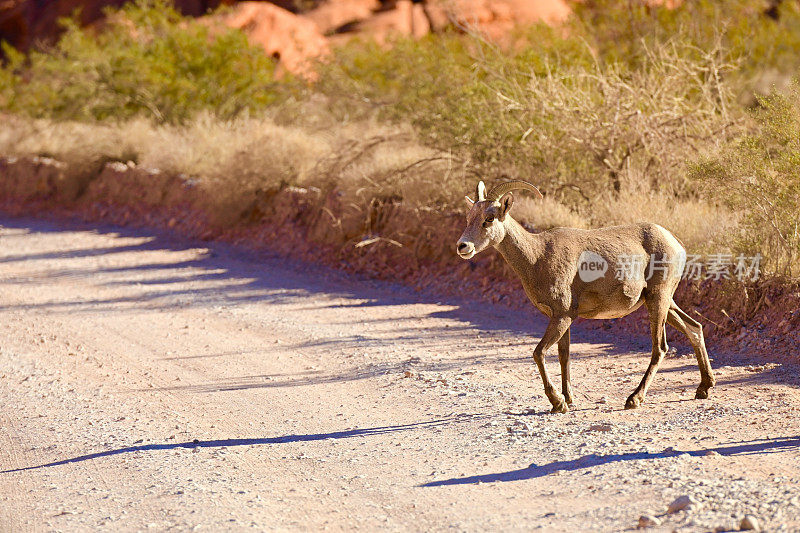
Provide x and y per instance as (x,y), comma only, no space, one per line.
(680,252)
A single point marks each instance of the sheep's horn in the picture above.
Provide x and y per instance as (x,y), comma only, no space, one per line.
(480,192)
(498,191)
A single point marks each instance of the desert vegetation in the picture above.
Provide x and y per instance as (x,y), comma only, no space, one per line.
(685,117)
(182,207)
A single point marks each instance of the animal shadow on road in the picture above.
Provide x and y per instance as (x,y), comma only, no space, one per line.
(225,443)
(760,446)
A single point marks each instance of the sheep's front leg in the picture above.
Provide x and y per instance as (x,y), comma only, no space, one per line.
(555,331)
(563,359)
(657,308)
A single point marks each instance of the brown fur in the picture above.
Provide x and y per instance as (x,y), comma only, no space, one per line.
(547,264)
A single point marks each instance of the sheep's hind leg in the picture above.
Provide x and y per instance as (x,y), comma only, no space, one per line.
(693,330)
(555,330)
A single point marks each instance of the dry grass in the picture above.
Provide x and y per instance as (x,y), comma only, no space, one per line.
(236,158)
(546,214)
(612,128)
(700,224)
(365,160)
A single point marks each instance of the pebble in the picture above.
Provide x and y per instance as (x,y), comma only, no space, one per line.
(749,523)
(680,503)
(647,520)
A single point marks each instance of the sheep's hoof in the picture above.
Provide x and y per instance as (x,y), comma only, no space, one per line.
(568,399)
(702,393)
(633,402)
(560,407)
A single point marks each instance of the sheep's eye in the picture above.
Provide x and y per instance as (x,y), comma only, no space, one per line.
(488,220)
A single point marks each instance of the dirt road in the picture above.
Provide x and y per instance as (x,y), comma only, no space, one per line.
(152,383)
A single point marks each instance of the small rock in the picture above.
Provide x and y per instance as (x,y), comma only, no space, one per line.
(749,523)
(408,374)
(680,503)
(647,520)
(711,453)
(601,427)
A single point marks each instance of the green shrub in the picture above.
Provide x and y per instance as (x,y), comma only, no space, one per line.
(619,98)
(554,115)
(765,48)
(758,177)
(147,61)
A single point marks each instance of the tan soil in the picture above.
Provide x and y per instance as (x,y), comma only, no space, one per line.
(153,383)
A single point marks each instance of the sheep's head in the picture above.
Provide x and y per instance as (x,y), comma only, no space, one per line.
(487,216)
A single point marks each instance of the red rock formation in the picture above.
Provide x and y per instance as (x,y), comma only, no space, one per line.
(24,22)
(405,19)
(283,34)
(381,20)
(496,18)
(332,15)
(294,38)
(288,37)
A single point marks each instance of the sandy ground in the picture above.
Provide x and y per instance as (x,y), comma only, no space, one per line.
(153,383)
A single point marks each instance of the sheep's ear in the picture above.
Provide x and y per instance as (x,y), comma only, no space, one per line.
(505,205)
(469,201)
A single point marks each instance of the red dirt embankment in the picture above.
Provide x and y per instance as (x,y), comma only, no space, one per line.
(386,241)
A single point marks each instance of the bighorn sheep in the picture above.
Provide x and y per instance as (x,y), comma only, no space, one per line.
(633,264)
